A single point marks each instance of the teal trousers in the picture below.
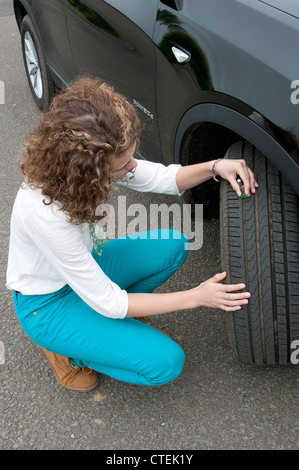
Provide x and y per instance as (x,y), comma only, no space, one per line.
(124,349)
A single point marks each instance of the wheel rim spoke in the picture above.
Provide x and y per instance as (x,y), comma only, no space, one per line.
(32,64)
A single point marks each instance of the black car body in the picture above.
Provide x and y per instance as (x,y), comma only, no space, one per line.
(207,76)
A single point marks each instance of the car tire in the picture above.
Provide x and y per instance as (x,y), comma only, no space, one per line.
(260,247)
(40,81)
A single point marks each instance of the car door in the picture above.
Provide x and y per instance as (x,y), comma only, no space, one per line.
(112,40)
(51,24)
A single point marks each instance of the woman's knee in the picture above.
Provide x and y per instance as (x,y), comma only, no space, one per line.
(168,367)
(174,364)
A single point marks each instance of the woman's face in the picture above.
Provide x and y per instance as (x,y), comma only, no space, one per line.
(122,164)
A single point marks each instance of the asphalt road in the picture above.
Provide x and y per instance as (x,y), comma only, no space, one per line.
(216,403)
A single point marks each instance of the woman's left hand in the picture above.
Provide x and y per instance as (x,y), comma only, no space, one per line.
(231,169)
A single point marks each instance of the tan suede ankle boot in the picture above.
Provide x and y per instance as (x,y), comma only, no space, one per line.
(69,374)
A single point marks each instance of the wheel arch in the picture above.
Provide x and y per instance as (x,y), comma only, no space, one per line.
(21,9)
(251,127)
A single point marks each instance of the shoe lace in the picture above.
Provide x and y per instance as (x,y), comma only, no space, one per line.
(71,374)
(86,370)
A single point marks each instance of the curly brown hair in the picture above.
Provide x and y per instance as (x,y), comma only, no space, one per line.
(67,155)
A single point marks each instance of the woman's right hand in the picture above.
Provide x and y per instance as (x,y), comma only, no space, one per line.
(212,293)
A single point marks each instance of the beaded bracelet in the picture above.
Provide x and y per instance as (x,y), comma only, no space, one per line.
(214,169)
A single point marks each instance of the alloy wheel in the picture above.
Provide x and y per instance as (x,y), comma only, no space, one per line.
(32,64)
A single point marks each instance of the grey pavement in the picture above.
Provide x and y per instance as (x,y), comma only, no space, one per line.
(217,403)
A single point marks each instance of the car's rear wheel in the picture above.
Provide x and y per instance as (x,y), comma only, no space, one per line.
(260,246)
(38,76)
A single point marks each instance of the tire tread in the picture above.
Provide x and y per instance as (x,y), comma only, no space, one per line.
(260,246)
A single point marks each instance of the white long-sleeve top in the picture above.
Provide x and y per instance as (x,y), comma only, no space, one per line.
(46,251)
